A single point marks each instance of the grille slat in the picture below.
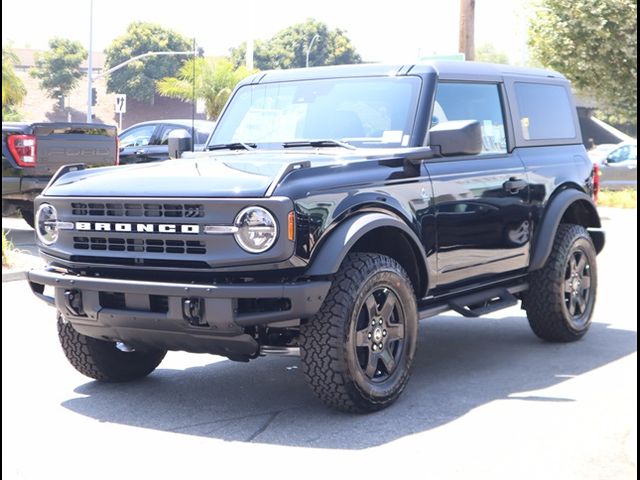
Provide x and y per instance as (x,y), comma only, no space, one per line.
(139,245)
(149,210)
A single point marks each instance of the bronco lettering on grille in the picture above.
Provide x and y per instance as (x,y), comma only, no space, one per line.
(137,227)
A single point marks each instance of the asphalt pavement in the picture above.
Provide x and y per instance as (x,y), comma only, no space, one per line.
(487,399)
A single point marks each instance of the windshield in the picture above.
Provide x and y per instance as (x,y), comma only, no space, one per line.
(366,112)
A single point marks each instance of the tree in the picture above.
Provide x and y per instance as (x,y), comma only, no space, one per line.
(58,69)
(262,58)
(215,80)
(13,91)
(288,48)
(593,43)
(488,53)
(138,79)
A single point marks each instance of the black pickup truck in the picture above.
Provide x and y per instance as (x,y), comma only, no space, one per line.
(32,153)
(334,209)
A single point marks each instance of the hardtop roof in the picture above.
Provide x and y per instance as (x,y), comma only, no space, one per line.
(441,68)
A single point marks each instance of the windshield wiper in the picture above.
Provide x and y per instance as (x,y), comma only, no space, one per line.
(233,146)
(318,143)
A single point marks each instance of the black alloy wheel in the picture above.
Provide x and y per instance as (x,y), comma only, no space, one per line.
(379,334)
(577,286)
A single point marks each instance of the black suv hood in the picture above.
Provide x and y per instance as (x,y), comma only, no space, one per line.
(211,174)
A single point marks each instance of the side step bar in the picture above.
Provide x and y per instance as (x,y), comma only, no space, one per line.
(475,304)
(482,303)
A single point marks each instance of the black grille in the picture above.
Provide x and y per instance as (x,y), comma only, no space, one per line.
(138,262)
(159,303)
(117,300)
(157,210)
(139,245)
(112,300)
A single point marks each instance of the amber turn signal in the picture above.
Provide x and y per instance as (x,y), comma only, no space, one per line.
(291,226)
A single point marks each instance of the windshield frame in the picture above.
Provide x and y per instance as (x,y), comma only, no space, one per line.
(414,135)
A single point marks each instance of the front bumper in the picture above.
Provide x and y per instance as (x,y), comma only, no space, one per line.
(136,319)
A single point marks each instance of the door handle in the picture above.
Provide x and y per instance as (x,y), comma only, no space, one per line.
(514,185)
(141,152)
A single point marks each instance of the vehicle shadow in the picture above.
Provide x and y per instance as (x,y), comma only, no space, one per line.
(461,364)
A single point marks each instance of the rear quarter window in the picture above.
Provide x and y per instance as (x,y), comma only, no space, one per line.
(545,111)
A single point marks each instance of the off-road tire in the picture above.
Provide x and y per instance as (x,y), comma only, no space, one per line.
(101,360)
(547,302)
(328,341)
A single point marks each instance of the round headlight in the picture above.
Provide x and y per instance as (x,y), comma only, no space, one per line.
(47,224)
(257,229)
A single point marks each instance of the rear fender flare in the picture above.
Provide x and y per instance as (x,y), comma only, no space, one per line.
(556,209)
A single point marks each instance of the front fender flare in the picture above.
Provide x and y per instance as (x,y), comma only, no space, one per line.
(332,251)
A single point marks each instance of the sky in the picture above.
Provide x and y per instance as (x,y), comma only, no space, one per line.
(389,31)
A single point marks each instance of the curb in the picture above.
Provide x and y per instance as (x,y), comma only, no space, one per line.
(22,263)
(14,275)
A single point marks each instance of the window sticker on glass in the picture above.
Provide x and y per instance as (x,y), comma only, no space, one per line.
(392,136)
(493,137)
(524,122)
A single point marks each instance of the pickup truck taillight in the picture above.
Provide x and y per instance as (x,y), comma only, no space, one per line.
(23,149)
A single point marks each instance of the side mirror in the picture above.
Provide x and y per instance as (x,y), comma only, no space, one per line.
(179,142)
(457,137)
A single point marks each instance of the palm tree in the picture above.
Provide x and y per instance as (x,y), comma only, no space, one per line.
(13,91)
(214,82)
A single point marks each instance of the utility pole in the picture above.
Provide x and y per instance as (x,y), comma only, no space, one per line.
(90,63)
(250,44)
(193,98)
(466,35)
(249,53)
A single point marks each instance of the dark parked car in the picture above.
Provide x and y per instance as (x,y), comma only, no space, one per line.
(33,152)
(333,209)
(148,141)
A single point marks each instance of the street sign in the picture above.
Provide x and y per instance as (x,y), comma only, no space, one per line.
(201,105)
(121,103)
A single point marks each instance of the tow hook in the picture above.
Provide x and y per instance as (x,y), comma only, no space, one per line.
(193,311)
(73,302)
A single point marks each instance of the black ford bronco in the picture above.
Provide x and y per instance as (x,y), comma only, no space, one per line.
(333,209)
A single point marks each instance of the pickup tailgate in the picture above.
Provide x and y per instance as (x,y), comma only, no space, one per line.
(60,144)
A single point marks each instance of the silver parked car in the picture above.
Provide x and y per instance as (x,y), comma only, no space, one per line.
(618,165)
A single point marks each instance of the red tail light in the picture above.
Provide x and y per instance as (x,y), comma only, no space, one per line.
(117,150)
(596,181)
(23,149)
